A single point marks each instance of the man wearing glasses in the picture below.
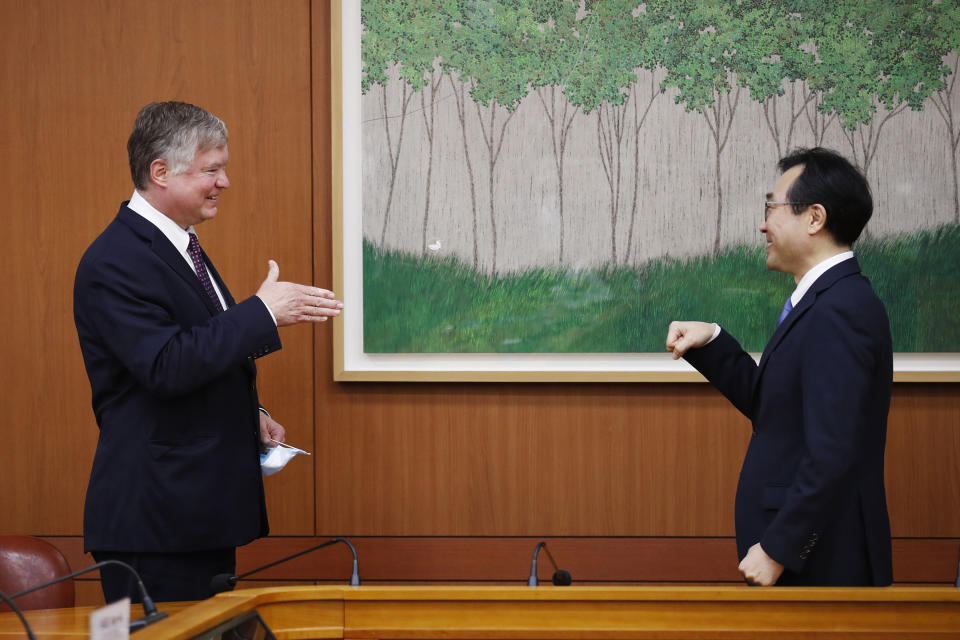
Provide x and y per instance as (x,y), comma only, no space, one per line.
(810,506)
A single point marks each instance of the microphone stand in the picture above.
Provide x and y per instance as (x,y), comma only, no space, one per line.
(224,582)
(150,613)
(19,613)
(561,577)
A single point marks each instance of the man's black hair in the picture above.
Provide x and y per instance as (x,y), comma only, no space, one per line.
(830,180)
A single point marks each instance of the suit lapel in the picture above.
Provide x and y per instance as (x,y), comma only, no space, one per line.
(163,248)
(824,282)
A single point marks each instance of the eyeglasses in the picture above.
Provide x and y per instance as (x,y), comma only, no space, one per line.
(768,204)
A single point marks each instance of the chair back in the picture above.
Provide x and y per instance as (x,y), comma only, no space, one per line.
(26,561)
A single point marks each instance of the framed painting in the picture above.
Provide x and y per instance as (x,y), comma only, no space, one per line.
(529,191)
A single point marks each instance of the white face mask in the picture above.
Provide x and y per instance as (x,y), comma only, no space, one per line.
(277,457)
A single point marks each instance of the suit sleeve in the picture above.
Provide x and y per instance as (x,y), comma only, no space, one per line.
(142,326)
(729,368)
(837,369)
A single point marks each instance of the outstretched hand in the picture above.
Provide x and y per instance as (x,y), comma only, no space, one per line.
(292,303)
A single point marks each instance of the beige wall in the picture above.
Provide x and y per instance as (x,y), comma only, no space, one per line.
(449,473)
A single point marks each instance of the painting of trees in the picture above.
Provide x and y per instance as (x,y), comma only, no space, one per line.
(871,59)
(602,81)
(573,135)
(490,44)
(558,49)
(395,34)
(944,31)
(703,47)
(943,102)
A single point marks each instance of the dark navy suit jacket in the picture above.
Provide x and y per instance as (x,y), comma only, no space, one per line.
(811,488)
(174,394)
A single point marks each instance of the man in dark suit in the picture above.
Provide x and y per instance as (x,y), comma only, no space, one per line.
(811,506)
(176,483)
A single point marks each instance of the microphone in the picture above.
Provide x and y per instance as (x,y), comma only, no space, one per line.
(19,613)
(226,582)
(561,577)
(150,613)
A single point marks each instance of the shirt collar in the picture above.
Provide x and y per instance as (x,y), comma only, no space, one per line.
(177,236)
(818,270)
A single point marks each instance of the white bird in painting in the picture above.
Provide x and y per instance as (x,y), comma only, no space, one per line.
(434,246)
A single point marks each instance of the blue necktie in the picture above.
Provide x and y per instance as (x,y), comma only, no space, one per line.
(787,307)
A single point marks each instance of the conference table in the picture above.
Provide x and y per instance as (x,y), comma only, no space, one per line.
(520,612)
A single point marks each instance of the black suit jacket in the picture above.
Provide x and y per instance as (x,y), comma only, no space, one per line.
(174,394)
(811,488)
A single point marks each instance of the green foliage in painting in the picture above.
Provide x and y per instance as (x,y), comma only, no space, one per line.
(868,53)
(491,43)
(410,34)
(855,52)
(610,44)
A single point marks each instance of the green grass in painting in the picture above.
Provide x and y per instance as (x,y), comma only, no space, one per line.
(429,305)
(918,278)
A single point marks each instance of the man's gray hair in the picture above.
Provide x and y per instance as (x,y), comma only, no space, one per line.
(173,132)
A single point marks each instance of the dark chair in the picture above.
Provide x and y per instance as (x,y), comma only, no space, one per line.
(25,562)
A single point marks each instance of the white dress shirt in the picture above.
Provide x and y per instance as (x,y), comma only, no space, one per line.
(818,270)
(177,235)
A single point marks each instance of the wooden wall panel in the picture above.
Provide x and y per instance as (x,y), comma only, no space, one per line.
(52,173)
(529,459)
(923,460)
(74,76)
(587,460)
